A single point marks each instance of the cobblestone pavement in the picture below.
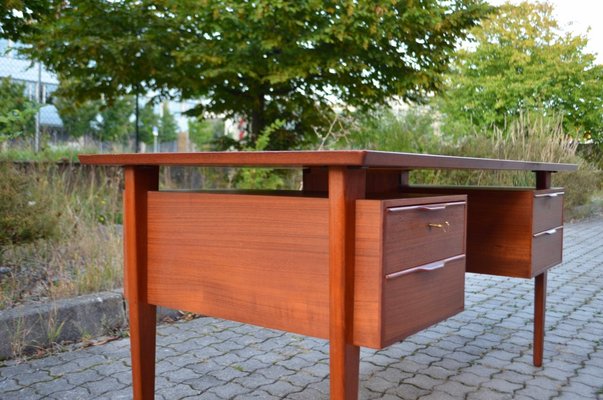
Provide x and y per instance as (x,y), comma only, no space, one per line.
(481,353)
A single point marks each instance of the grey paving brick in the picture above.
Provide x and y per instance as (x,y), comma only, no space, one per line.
(485,393)
(407,391)
(501,385)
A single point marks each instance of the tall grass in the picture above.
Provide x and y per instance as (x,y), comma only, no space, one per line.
(85,252)
(530,137)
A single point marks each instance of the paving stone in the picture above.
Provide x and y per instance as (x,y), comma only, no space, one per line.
(536,392)
(423,382)
(455,389)
(281,388)
(501,385)
(77,393)
(229,390)
(406,391)
(489,394)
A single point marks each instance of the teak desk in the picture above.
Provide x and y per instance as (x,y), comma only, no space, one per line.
(357,257)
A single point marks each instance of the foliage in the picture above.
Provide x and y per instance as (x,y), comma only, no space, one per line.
(168,128)
(17,112)
(266,60)
(147,120)
(523,63)
(410,130)
(78,119)
(23,215)
(261,178)
(104,121)
(115,124)
(202,133)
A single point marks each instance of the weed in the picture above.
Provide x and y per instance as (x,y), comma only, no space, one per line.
(84,253)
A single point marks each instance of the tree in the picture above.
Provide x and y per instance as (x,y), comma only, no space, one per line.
(78,119)
(148,120)
(114,121)
(17,112)
(522,63)
(202,133)
(168,127)
(266,60)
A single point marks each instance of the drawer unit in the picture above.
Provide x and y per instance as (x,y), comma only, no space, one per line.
(410,265)
(511,232)
(209,254)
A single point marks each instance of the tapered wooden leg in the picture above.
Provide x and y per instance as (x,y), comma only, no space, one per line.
(139,180)
(345,186)
(539,314)
(543,181)
(142,349)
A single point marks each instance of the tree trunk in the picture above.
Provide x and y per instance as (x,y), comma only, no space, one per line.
(258,120)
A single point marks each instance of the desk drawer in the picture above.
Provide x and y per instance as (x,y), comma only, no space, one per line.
(408,275)
(420,234)
(421,297)
(547,210)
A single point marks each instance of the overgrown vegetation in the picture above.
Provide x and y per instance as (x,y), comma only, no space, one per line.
(529,137)
(63,241)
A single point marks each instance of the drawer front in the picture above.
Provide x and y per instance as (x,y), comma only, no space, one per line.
(546,250)
(548,210)
(422,297)
(417,235)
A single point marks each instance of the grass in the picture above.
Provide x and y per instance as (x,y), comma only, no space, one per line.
(532,138)
(84,255)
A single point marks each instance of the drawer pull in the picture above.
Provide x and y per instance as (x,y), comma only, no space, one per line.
(550,194)
(424,268)
(549,232)
(435,207)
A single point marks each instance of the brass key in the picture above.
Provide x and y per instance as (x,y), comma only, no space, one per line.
(443,226)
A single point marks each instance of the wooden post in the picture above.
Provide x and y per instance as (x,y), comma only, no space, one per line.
(138,181)
(345,186)
(543,181)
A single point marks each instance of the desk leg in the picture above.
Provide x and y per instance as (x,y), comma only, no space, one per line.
(345,186)
(543,181)
(138,181)
(539,313)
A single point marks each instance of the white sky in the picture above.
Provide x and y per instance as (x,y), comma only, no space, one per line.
(577,16)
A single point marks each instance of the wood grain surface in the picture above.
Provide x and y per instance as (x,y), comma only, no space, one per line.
(351,158)
(139,181)
(261,260)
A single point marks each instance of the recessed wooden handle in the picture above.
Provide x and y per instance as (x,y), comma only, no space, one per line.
(549,232)
(550,194)
(424,268)
(427,207)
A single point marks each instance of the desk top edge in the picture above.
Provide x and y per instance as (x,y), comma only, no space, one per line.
(350,158)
